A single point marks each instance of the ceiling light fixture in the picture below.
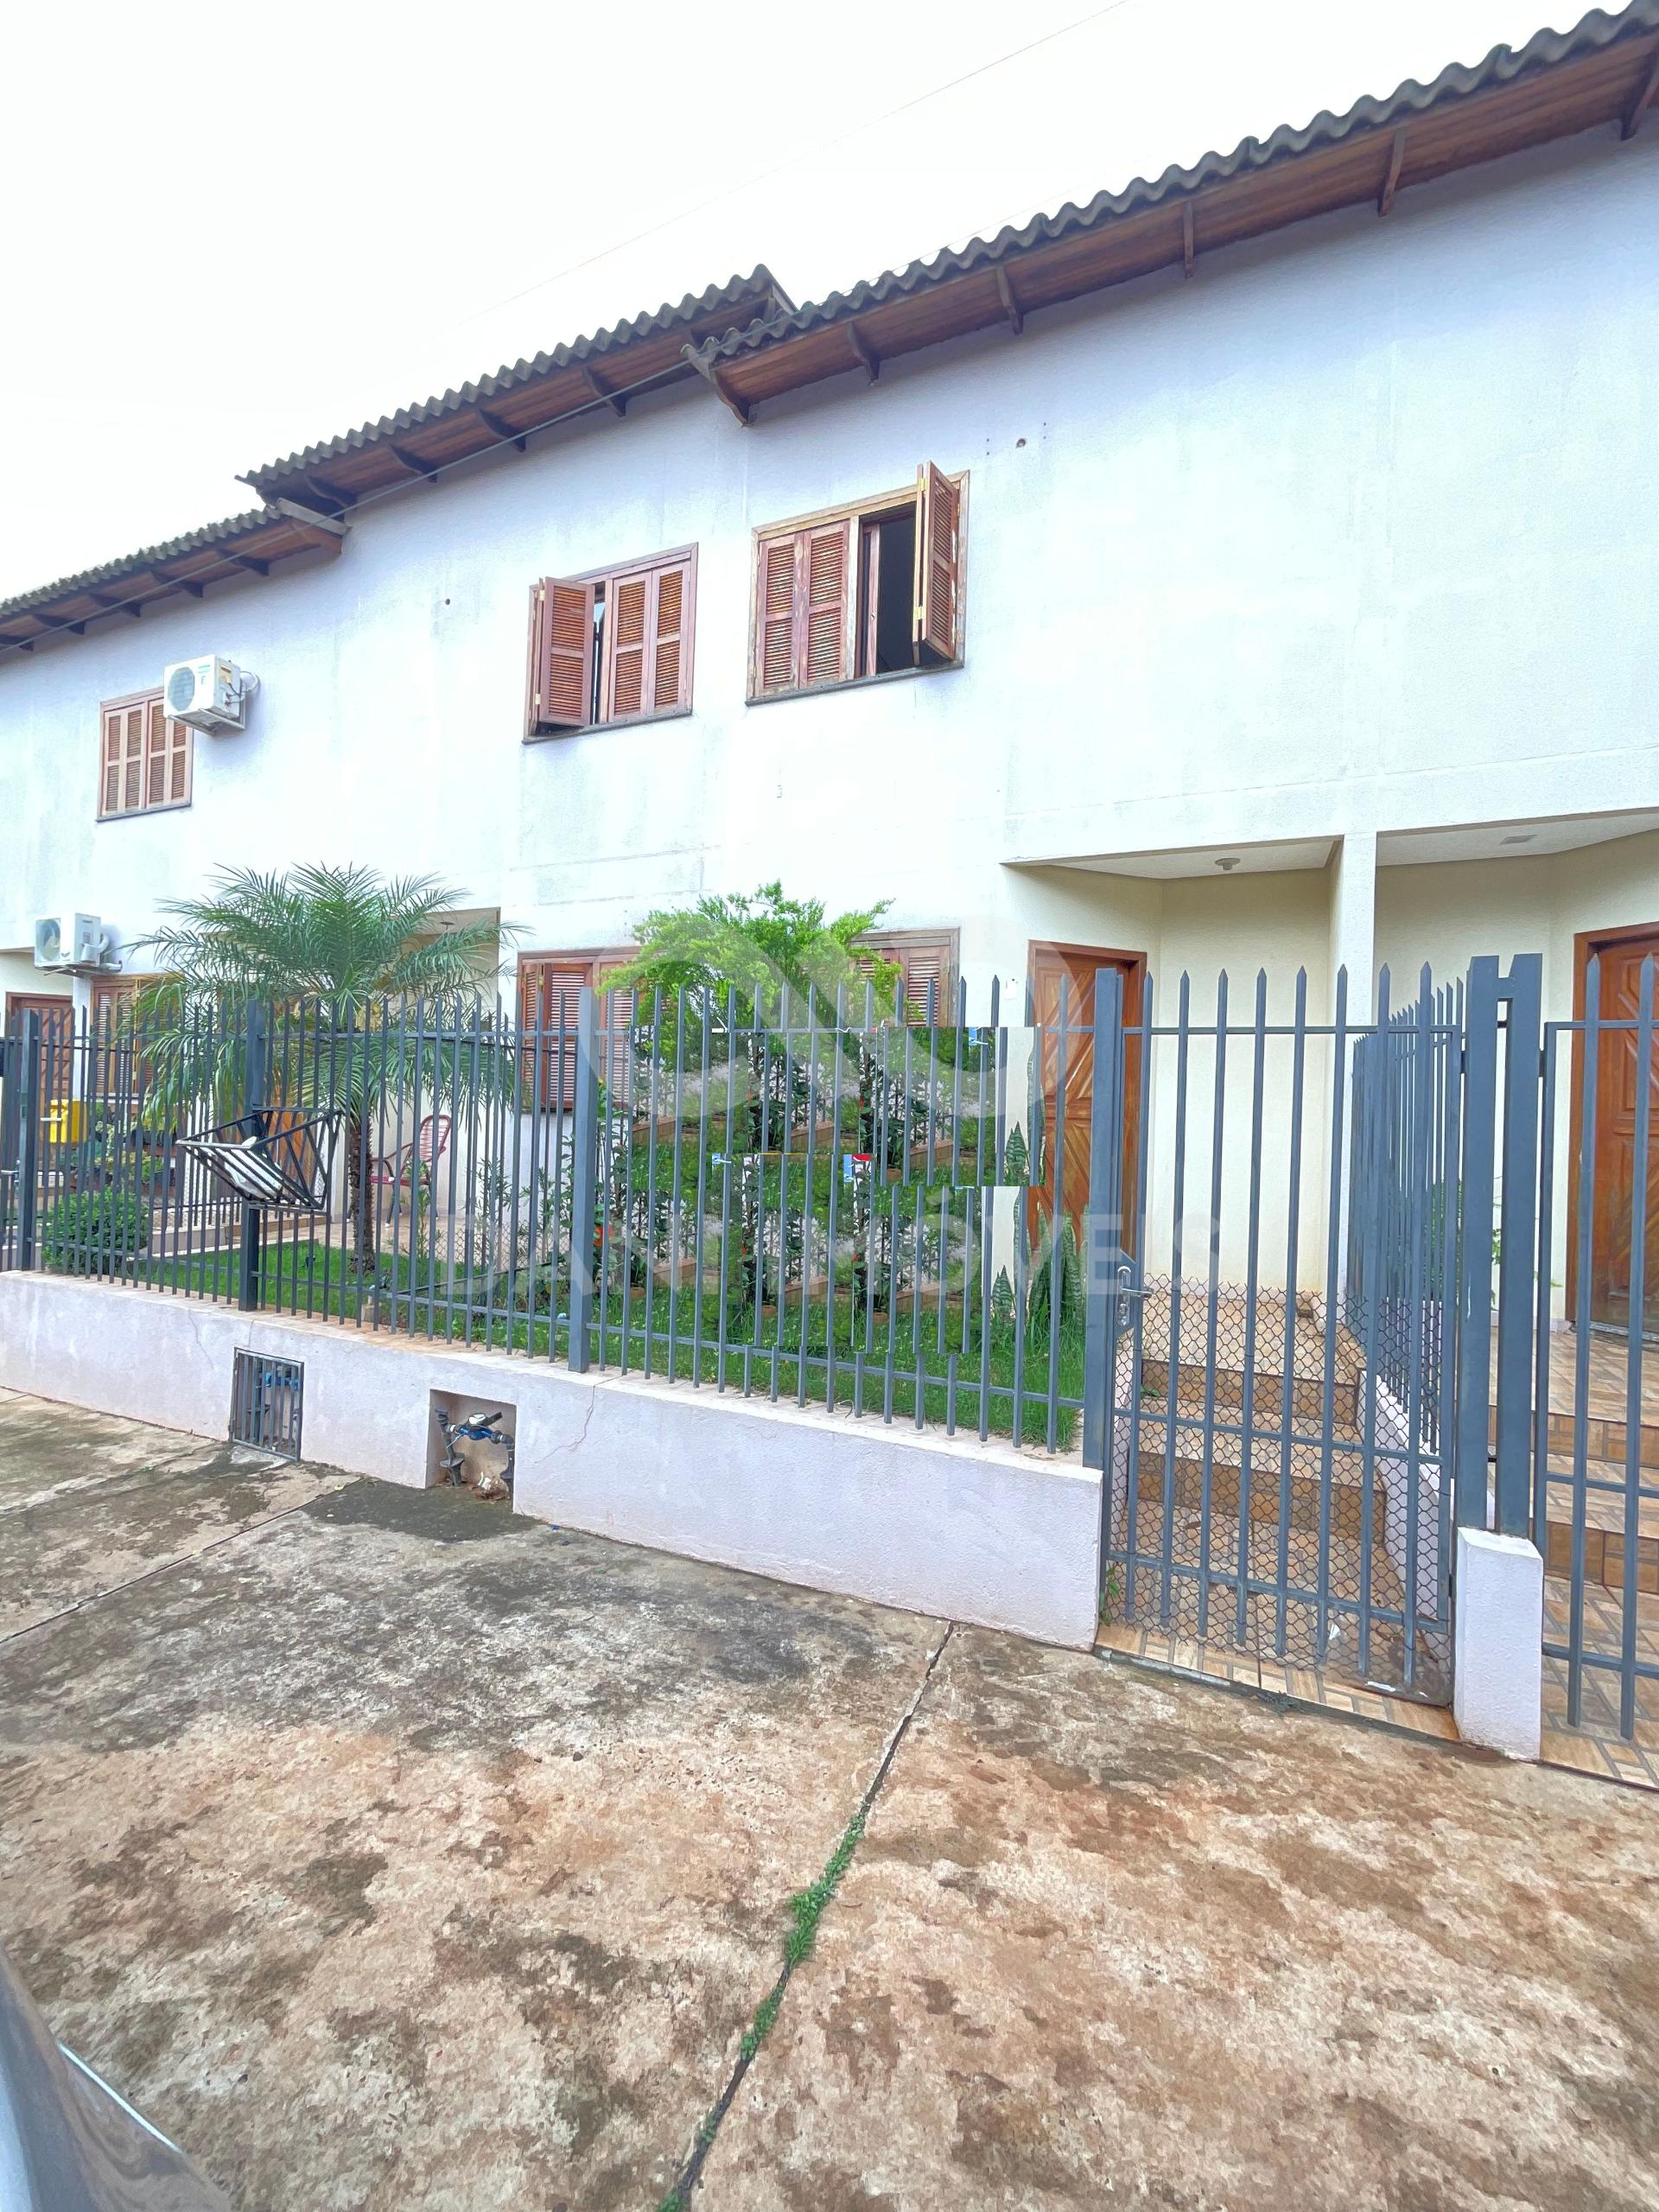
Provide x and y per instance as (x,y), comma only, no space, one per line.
(1521,837)
(1228,862)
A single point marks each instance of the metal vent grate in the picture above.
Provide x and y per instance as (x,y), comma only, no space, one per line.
(267,1399)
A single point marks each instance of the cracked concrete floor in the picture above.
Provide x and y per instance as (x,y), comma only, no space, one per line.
(392,1850)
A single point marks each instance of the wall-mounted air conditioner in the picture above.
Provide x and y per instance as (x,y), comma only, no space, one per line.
(209,693)
(89,947)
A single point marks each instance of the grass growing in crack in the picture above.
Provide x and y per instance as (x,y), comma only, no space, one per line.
(806,1906)
(805,1910)
(765,2015)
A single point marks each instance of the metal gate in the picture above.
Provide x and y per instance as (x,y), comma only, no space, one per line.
(1595,1387)
(1294,1304)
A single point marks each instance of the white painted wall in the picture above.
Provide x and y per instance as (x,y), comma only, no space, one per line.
(1354,531)
(948,1526)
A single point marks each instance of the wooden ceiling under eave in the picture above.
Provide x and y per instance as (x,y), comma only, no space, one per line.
(1611,88)
(252,547)
(402,457)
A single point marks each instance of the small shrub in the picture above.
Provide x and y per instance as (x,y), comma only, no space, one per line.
(92,1232)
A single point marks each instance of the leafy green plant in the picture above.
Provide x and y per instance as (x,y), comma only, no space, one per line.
(92,1232)
(1052,1259)
(331,951)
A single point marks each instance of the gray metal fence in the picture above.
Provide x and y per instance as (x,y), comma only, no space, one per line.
(1289,1288)
(1279,1351)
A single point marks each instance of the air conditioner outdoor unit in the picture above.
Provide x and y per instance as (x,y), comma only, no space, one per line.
(88,947)
(209,693)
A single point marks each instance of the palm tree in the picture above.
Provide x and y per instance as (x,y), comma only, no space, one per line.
(764,947)
(322,948)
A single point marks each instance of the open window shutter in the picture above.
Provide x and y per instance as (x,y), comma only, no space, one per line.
(670,655)
(828,574)
(775,619)
(936,628)
(562,698)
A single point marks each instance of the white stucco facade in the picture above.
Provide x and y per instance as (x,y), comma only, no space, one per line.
(1339,558)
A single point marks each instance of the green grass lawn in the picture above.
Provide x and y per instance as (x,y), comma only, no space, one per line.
(311,1278)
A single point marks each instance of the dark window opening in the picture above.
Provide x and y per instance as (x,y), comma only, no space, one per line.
(886,581)
(596,681)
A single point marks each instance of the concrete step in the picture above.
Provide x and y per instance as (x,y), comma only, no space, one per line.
(1303,1488)
(1267,1399)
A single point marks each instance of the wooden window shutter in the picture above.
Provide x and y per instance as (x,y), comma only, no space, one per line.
(180,740)
(132,759)
(924,958)
(672,598)
(627,625)
(936,627)
(775,654)
(616,1019)
(110,790)
(562,695)
(829,567)
(549,992)
(647,628)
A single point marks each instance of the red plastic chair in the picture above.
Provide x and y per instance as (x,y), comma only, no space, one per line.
(428,1147)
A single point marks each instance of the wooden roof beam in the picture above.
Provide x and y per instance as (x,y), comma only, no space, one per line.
(114,606)
(1644,100)
(1011,306)
(503,431)
(330,494)
(617,406)
(1396,162)
(867,356)
(723,391)
(1189,250)
(427,470)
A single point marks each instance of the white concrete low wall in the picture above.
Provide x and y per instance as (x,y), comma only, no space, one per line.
(948,1526)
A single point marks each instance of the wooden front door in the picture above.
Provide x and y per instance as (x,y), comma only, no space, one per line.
(1074,966)
(1611,1199)
(57,1036)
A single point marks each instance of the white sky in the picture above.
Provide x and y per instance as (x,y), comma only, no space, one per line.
(238,231)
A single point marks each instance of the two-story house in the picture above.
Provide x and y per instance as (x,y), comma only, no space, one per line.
(1256,567)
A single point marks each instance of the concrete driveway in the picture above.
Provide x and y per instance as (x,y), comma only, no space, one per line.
(391,1851)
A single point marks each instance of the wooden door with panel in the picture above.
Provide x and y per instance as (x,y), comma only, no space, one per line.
(1067,1070)
(1613,1197)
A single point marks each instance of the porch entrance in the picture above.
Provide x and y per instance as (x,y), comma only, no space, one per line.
(1277,1324)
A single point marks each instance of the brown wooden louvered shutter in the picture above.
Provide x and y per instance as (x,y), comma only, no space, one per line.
(110,787)
(930,964)
(564,692)
(924,958)
(133,719)
(550,990)
(616,1019)
(183,739)
(672,599)
(627,611)
(829,567)
(775,654)
(936,628)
